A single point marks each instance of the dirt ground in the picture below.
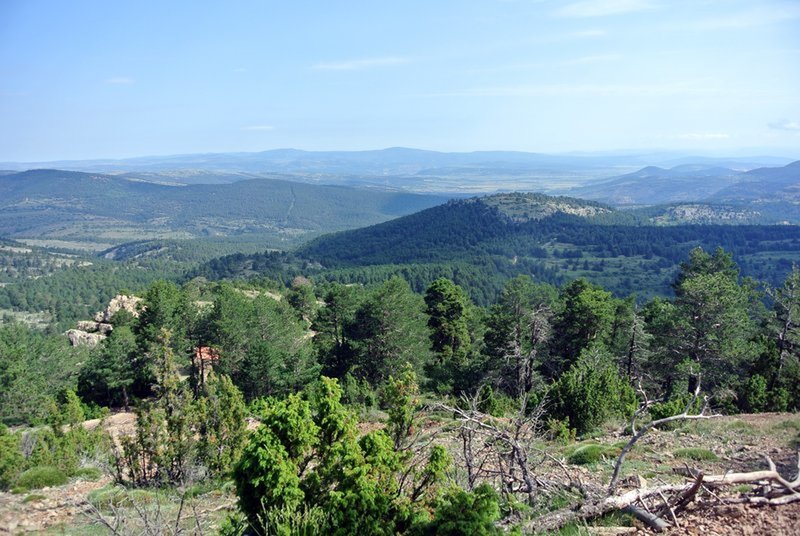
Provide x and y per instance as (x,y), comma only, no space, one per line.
(63,505)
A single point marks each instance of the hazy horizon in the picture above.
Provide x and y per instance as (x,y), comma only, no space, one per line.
(105,80)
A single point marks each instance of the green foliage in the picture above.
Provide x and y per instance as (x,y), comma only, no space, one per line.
(109,374)
(88,473)
(164,447)
(753,396)
(716,324)
(295,522)
(387,332)
(11,459)
(488,402)
(34,368)
(64,443)
(220,424)
(301,297)
(462,513)
(591,392)
(262,344)
(586,318)
(40,477)
(357,392)
(591,453)
(401,399)
(307,457)
(331,324)
(519,333)
(674,406)
(696,454)
(558,430)
(447,308)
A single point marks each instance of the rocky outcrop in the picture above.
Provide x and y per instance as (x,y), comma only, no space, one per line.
(92,332)
(78,337)
(117,303)
(90,326)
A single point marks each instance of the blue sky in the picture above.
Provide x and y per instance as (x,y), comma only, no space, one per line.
(84,79)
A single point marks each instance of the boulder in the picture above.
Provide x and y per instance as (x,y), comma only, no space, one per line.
(104,328)
(89,326)
(78,337)
(129,303)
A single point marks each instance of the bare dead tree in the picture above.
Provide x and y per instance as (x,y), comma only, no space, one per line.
(500,449)
(131,515)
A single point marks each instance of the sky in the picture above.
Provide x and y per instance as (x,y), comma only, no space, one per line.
(113,79)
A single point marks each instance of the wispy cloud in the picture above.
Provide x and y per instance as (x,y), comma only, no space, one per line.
(353,65)
(120,81)
(603,8)
(760,15)
(793,126)
(258,128)
(703,136)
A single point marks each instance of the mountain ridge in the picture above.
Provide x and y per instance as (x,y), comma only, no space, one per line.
(50,203)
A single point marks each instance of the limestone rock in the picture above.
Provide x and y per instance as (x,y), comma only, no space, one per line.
(78,337)
(104,329)
(128,303)
(88,326)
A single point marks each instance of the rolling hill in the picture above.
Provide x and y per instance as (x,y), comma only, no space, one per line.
(704,194)
(109,209)
(654,185)
(412,170)
(480,242)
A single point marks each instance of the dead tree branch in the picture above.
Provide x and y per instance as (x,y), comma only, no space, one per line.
(685,415)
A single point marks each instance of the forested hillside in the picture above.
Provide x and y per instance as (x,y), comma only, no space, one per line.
(481,242)
(107,209)
(333,377)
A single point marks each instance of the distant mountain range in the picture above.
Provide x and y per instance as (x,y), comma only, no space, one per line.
(398,167)
(705,194)
(70,205)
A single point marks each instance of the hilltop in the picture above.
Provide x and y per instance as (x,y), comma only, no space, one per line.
(480,242)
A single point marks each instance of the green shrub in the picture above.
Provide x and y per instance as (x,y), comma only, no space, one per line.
(591,392)
(88,473)
(306,521)
(591,453)
(460,513)
(558,430)
(354,480)
(357,392)
(779,399)
(753,394)
(107,496)
(487,401)
(11,460)
(673,406)
(41,477)
(696,454)
(114,496)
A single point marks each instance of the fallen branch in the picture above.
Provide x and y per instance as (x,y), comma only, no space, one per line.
(612,486)
(681,494)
